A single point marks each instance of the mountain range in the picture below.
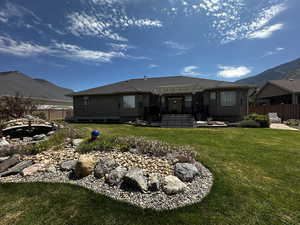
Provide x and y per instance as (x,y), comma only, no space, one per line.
(290,70)
(12,82)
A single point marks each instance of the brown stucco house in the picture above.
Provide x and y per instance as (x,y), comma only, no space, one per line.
(152,98)
(276,92)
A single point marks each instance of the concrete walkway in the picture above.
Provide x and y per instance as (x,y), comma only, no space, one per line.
(281,126)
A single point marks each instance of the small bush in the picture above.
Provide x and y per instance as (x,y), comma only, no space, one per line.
(293,122)
(263,120)
(249,124)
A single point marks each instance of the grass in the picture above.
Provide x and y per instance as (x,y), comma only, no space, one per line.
(257,181)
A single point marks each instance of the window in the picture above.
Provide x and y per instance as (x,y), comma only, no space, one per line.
(85,100)
(188,101)
(129,102)
(213,96)
(228,98)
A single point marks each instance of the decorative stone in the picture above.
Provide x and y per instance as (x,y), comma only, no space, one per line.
(134,150)
(68,165)
(186,171)
(153,182)
(17,168)
(104,166)
(31,170)
(38,137)
(51,133)
(84,166)
(27,139)
(135,180)
(116,175)
(172,185)
(77,142)
(9,163)
(4,142)
(3,158)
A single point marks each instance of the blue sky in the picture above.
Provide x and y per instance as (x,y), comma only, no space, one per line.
(86,43)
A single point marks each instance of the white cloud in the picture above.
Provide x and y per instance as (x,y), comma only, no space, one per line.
(266,32)
(233,72)
(10,46)
(190,71)
(74,52)
(83,24)
(151,66)
(120,47)
(103,23)
(175,45)
(276,51)
(77,53)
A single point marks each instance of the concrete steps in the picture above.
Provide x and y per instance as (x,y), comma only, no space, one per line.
(177,121)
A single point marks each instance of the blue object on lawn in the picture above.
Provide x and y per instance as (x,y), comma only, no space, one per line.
(95,134)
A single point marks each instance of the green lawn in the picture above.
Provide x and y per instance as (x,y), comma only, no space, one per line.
(257,181)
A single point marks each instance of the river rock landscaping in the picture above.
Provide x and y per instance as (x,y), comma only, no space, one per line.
(146,173)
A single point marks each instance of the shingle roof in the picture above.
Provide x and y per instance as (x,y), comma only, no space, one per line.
(158,85)
(290,85)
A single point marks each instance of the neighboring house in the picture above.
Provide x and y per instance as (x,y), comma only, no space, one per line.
(150,98)
(276,92)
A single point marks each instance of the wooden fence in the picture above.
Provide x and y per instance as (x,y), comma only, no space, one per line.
(51,114)
(284,111)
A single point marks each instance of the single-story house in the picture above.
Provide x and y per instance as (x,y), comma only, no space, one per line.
(150,98)
(276,92)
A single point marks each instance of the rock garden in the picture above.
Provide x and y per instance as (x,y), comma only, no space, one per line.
(147,173)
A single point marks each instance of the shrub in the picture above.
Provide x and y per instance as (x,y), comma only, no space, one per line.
(249,124)
(143,145)
(293,122)
(263,120)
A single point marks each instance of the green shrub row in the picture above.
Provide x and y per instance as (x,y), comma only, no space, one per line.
(262,120)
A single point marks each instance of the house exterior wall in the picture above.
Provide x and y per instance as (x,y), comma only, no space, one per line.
(230,113)
(149,107)
(108,107)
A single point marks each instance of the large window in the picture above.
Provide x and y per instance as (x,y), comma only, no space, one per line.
(228,98)
(188,101)
(129,102)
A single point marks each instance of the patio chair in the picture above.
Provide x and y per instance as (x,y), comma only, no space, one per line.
(273,117)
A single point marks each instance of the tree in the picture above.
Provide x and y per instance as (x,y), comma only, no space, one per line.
(16,106)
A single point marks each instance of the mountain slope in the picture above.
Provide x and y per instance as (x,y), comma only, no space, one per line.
(14,81)
(290,70)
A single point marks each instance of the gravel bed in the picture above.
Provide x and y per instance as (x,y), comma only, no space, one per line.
(195,191)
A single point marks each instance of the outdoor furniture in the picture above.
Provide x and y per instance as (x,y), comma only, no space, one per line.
(273,117)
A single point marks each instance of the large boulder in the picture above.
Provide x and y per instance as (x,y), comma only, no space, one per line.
(68,165)
(104,166)
(115,176)
(153,182)
(186,171)
(17,168)
(172,185)
(9,163)
(84,166)
(135,180)
(33,169)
